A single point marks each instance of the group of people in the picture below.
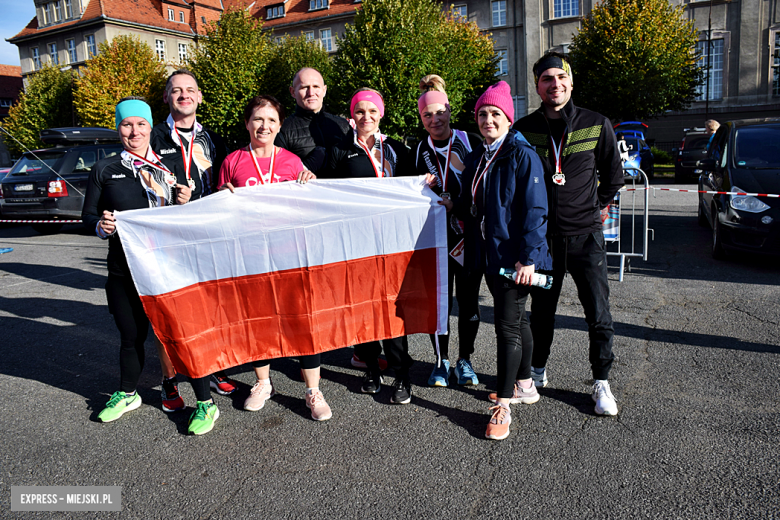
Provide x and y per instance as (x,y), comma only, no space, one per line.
(529,195)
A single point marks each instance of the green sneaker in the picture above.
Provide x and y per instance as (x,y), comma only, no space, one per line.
(203,418)
(119,403)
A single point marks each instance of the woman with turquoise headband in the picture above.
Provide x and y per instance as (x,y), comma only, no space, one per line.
(134,179)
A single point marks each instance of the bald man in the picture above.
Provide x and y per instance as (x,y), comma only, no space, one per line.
(310,130)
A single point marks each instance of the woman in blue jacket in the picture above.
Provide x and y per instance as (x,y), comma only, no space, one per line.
(504,208)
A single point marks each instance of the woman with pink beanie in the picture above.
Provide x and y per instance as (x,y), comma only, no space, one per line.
(504,208)
(441,157)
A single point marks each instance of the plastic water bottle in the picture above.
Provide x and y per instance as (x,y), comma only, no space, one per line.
(538,280)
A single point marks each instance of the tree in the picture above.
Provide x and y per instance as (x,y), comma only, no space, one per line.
(230,63)
(46,102)
(635,59)
(123,67)
(394,43)
(288,57)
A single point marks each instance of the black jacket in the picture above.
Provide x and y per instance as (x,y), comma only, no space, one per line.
(591,166)
(309,135)
(347,160)
(212,147)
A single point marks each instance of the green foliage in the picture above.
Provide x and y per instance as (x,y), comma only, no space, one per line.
(123,67)
(394,43)
(46,102)
(230,63)
(661,157)
(290,56)
(635,59)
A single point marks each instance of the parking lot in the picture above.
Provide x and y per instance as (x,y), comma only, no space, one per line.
(696,379)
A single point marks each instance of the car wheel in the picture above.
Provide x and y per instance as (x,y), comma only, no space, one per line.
(718,253)
(701,217)
(47,229)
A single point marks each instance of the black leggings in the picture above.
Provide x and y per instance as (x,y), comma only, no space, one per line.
(468,310)
(514,341)
(307,362)
(396,351)
(128,311)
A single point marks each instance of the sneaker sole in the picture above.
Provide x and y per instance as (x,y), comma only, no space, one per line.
(323,418)
(216,416)
(600,411)
(248,409)
(516,400)
(129,408)
(405,401)
(497,437)
(218,390)
(171,410)
(440,384)
(468,382)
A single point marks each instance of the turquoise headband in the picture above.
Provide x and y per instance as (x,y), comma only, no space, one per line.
(133,108)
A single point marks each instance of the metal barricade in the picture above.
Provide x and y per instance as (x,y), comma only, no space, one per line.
(615,225)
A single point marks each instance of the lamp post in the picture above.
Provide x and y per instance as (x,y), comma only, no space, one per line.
(709,52)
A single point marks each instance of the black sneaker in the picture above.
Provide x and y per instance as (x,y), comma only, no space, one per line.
(403,391)
(372,383)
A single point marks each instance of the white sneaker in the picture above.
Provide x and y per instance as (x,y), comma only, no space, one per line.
(602,396)
(539,375)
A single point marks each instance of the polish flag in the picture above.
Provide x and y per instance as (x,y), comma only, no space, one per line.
(289,269)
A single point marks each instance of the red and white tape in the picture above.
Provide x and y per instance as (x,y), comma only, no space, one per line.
(742,193)
(41,221)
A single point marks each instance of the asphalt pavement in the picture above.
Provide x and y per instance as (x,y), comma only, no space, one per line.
(697,344)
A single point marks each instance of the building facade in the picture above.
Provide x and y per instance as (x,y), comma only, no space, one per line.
(10,86)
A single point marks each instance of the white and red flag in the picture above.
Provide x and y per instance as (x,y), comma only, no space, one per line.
(289,269)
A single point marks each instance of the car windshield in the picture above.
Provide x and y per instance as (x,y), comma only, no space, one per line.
(43,161)
(758,147)
(696,142)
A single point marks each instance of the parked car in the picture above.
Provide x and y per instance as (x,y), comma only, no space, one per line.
(631,128)
(639,156)
(49,184)
(692,149)
(744,157)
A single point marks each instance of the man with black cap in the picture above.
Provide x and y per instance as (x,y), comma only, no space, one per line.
(582,173)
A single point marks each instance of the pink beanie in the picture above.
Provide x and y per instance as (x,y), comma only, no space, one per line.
(498,95)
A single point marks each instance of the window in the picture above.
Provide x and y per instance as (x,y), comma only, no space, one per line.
(499,12)
(53,54)
(503,63)
(325,40)
(776,66)
(85,161)
(461,11)
(276,11)
(715,76)
(5,102)
(159,47)
(36,58)
(564,8)
(203,19)
(170,14)
(182,52)
(181,16)
(91,47)
(47,14)
(68,9)
(71,44)
(317,4)
(57,11)
(309,35)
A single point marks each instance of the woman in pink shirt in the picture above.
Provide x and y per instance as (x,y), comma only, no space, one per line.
(262,163)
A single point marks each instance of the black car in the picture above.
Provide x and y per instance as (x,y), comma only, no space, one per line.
(49,184)
(744,157)
(692,149)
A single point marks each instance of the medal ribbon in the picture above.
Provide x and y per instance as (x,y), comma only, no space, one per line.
(558,151)
(187,160)
(269,176)
(477,179)
(159,166)
(378,171)
(445,172)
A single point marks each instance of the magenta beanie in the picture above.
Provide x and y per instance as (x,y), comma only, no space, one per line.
(499,96)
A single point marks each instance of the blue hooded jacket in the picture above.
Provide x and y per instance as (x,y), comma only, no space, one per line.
(514,205)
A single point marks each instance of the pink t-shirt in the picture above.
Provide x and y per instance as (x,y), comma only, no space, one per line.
(239,169)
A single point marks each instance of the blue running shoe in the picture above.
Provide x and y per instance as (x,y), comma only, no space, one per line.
(440,375)
(465,373)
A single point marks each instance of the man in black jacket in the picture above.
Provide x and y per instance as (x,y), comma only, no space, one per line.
(310,131)
(582,174)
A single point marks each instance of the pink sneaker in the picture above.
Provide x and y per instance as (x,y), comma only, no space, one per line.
(520,395)
(315,401)
(498,427)
(258,395)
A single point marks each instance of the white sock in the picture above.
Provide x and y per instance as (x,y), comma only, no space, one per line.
(309,390)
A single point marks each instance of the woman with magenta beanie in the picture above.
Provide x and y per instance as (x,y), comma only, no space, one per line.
(504,206)
(134,179)
(367,152)
(441,157)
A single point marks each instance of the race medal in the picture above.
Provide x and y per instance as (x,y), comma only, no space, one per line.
(170,179)
(473,210)
(191,183)
(445,195)
(559,179)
